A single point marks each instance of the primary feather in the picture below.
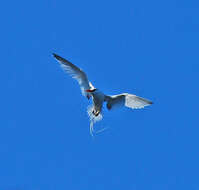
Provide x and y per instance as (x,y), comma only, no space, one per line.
(76,73)
(128,100)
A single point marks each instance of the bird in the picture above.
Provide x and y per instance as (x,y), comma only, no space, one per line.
(99,98)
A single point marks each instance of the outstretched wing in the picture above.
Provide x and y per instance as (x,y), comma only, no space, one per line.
(76,73)
(128,100)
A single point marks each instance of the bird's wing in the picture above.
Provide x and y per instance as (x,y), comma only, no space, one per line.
(76,73)
(128,100)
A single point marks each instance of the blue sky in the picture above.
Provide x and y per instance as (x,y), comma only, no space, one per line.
(148,48)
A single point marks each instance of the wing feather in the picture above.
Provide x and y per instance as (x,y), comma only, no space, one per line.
(76,73)
(128,100)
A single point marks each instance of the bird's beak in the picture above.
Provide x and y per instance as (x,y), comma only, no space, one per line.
(88,90)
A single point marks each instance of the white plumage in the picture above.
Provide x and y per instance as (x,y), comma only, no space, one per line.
(128,100)
(98,98)
(76,73)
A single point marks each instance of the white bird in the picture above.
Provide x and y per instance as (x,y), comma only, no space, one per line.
(98,98)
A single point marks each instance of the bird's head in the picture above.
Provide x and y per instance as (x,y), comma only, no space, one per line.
(91,90)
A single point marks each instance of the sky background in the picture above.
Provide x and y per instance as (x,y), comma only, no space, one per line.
(148,48)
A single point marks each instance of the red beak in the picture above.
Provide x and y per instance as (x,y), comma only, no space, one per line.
(89,90)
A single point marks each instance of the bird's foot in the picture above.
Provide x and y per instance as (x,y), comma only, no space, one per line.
(96,113)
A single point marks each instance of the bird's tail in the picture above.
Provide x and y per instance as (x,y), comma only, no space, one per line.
(93,118)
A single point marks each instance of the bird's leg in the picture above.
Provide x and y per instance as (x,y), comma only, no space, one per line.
(96,113)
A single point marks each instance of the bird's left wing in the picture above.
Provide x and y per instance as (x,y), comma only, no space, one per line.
(76,73)
(128,100)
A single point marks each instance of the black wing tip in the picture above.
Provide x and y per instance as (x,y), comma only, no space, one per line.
(56,56)
(151,102)
(61,59)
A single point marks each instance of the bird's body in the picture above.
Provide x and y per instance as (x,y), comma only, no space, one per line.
(98,98)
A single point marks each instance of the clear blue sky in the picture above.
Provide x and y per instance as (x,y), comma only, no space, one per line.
(149,48)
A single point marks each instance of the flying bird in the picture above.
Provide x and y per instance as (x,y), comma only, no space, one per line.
(98,97)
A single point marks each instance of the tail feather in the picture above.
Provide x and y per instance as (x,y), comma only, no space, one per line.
(93,118)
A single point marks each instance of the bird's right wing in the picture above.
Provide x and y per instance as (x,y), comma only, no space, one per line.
(76,73)
(128,100)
